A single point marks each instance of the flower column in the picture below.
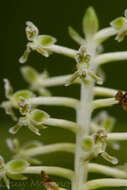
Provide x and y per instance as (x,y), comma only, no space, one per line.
(84,112)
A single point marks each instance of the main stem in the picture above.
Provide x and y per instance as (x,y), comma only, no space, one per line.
(83,119)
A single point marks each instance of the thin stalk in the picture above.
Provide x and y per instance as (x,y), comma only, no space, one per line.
(102,91)
(100,103)
(62,50)
(69,125)
(104,34)
(117,136)
(106,170)
(111,57)
(50,170)
(83,119)
(47,149)
(55,101)
(56,81)
(107,182)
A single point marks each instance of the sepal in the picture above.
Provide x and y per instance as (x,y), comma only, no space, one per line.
(16,166)
(90,22)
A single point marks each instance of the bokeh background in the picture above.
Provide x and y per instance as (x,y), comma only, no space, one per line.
(53,17)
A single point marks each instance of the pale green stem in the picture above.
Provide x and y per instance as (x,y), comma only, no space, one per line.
(100,103)
(55,101)
(104,34)
(110,57)
(117,136)
(83,119)
(69,125)
(107,182)
(106,170)
(92,167)
(47,149)
(56,81)
(102,91)
(50,170)
(61,50)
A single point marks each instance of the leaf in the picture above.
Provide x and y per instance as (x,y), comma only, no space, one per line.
(90,22)
(29,74)
(16,166)
(45,40)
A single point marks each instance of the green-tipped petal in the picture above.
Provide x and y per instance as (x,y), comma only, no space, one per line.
(109,158)
(13,145)
(6,181)
(90,22)
(13,130)
(25,55)
(29,74)
(34,129)
(31,31)
(118,23)
(16,176)
(26,94)
(32,144)
(75,36)
(87,143)
(72,78)
(8,88)
(45,40)
(44,92)
(16,166)
(38,117)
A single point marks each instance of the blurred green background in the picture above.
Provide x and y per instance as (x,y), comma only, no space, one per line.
(53,17)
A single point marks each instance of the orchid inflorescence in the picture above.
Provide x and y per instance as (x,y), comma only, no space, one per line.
(93,134)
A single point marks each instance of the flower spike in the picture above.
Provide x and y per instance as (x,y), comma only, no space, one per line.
(36,42)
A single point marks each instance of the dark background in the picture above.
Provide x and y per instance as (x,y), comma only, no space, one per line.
(53,17)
